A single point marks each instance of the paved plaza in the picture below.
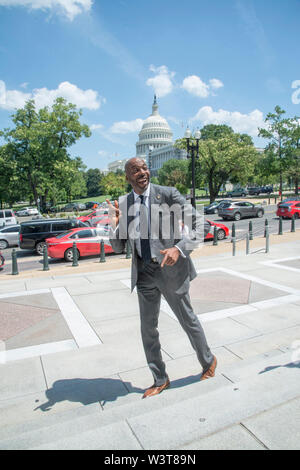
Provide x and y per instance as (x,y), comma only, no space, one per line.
(73,369)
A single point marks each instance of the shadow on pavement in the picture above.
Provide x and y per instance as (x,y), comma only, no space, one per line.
(290,365)
(87,391)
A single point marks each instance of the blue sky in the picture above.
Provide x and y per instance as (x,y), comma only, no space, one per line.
(225,62)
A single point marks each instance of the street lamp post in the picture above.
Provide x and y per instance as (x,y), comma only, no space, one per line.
(150,159)
(193,152)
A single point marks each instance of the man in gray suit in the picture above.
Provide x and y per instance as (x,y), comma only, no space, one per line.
(153,219)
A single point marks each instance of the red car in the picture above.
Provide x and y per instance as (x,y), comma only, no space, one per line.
(288,209)
(222,231)
(87,242)
(90,218)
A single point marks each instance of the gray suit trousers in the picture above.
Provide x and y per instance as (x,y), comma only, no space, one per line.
(151,284)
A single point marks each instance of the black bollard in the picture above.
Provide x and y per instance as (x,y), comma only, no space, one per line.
(293,224)
(102,252)
(75,255)
(266,227)
(15,270)
(45,259)
(233,231)
(215,236)
(250,230)
(280,226)
(128,250)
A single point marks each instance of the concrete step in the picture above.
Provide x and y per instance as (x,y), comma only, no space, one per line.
(86,419)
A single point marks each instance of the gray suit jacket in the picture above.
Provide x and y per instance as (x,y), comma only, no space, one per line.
(168,209)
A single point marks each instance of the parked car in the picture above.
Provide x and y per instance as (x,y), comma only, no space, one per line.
(9,236)
(237,210)
(267,189)
(287,210)
(92,205)
(88,242)
(27,211)
(2,260)
(213,207)
(237,192)
(100,213)
(222,231)
(34,233)
(254,191)
(73,206)
(7,217)
(289,199)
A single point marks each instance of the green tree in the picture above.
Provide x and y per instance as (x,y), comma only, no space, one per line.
(174,173)
(93,180)
(293,152)
(114,185)
(40,140)
(278,133)
(224,156)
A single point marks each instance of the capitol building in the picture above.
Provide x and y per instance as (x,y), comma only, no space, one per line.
(155,144)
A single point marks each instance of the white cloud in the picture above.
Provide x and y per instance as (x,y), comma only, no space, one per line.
(125,127)
(243,123)
(96,127)
(215,83)
(12,99)
(195,86)
(69,8)
(162,82)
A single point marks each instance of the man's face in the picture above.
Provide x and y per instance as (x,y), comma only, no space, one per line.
(138,175)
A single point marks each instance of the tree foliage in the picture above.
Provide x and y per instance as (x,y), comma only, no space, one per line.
(38,145)
(174,173)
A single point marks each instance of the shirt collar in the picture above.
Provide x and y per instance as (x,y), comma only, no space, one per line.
(145,194)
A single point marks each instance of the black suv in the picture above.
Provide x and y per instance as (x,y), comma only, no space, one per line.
(254,190)
(34,233)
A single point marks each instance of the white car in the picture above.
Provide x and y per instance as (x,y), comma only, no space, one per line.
(27,211)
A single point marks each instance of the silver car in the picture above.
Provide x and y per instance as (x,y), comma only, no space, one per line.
(238,209)
(9,236)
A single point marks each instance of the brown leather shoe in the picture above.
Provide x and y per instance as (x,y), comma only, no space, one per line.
(155,390)
(210,372)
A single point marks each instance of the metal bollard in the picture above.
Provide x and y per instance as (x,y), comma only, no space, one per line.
(233,246)
(215,236)
(128,250)
(15,270)
(247,244)
(250,231)
(75,255)
(45,259)
(266,227)
(102,252)
(293,224)
(280,226)
(233,232)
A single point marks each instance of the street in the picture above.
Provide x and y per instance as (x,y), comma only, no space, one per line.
(28,260)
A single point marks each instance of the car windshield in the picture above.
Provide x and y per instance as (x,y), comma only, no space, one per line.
(226,204)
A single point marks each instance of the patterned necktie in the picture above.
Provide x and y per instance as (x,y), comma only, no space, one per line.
(144,222)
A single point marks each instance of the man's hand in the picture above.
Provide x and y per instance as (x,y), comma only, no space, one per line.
(171,256)
(114,213)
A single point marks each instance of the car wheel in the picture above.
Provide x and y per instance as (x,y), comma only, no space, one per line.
(3,244)
(259,213)
(296,215)
(221,235)
(237,216)
(69,255)
(40,248)
(1,261)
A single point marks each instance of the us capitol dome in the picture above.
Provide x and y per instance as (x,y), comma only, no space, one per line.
(155,143)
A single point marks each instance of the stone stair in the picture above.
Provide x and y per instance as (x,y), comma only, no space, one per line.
(186,413)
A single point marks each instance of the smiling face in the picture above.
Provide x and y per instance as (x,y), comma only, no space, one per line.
(138,175)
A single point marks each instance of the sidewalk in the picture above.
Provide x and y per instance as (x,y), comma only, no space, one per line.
(73,368)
